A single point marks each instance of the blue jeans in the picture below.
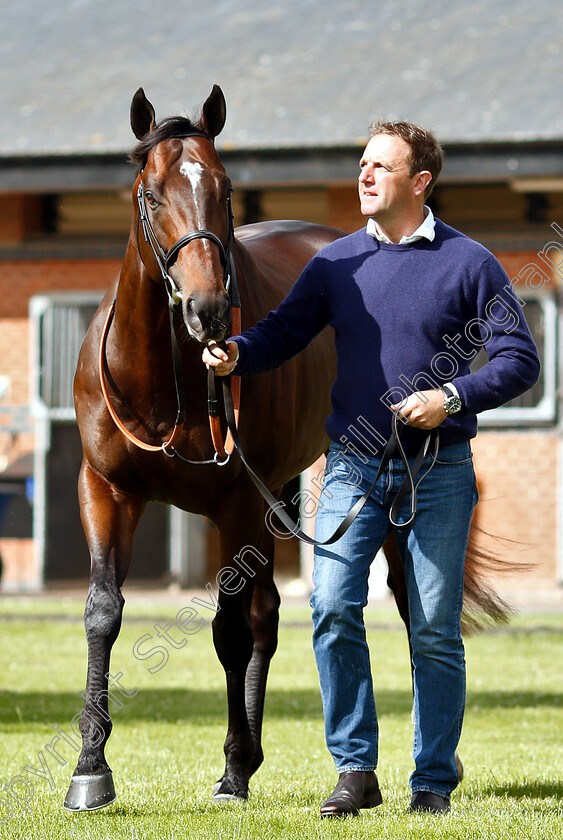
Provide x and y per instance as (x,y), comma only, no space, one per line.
(433,550)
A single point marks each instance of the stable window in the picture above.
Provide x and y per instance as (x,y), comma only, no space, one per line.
(539,404)
(60,324)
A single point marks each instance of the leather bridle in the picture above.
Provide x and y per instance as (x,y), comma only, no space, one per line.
(165,259)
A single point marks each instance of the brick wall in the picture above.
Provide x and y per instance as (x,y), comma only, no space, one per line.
(518,477)
(19,282)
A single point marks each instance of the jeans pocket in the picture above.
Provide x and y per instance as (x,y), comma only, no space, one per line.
(454,463)
(341,468)
(455,455)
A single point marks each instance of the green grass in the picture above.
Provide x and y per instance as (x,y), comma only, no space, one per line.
(166,747)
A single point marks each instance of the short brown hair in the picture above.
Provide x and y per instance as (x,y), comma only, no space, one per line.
(425,151)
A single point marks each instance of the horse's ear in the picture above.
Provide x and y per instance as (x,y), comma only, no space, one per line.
(214,112)
(142,115)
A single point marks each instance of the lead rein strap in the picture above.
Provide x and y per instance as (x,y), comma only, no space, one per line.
(393,443)
(224,451)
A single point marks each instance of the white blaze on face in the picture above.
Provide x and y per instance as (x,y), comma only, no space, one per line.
(193,172)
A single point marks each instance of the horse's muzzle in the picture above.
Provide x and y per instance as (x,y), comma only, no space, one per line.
(207,318)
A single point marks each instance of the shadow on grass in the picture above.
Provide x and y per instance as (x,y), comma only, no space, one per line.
(207,706)
(172,704)
(513,699)
(533,789)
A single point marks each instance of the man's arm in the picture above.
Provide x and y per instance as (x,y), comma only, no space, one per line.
(282,334)
(513,366)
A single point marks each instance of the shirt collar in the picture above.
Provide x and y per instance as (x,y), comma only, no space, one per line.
(424,231)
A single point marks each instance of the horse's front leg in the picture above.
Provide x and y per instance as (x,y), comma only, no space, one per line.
(109,519)
(241,528)
(264,617)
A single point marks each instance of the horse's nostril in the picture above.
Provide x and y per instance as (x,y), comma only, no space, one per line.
(206,317)
(192,310)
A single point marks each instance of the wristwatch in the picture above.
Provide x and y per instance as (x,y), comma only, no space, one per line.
(452,402)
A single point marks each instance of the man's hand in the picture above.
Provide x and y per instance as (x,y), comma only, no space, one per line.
(215,357)
(423,409)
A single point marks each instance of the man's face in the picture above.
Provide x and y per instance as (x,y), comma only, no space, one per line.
(385,185)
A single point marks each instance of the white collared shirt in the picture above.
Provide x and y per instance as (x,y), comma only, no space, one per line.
(424,231)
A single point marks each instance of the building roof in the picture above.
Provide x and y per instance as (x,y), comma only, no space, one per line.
(297,74)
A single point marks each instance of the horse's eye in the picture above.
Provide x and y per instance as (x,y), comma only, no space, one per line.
(150,198)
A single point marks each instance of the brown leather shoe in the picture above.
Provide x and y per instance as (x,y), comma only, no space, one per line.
(355,789)
(433,803)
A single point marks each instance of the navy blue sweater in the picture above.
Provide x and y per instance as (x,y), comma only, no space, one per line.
(406,318)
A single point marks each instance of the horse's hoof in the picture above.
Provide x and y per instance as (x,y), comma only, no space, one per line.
(225,795)
(88,793)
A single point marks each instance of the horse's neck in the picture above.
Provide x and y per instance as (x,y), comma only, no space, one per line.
(141,352)
(141,304)
(141,323)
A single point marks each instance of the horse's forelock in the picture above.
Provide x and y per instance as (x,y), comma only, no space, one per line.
(167,129)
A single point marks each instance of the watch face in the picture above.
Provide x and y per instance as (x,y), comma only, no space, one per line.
(452,404)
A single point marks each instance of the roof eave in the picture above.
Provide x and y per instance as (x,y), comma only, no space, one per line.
(289,167)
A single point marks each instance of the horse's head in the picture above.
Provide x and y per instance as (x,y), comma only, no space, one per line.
(182,198)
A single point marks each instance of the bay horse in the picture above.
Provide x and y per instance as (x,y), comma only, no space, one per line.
(181,252)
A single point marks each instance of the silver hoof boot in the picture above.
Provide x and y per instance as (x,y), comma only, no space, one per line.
(87,793)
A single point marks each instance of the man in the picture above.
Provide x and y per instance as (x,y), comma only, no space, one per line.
(411,301)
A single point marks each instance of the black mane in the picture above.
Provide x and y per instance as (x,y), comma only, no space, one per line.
(171,127)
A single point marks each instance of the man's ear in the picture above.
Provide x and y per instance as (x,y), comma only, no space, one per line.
(423,179)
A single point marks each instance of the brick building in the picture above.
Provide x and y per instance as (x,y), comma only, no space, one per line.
(297,122)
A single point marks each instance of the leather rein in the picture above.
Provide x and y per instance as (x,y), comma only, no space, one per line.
(410,484)
(165,259)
